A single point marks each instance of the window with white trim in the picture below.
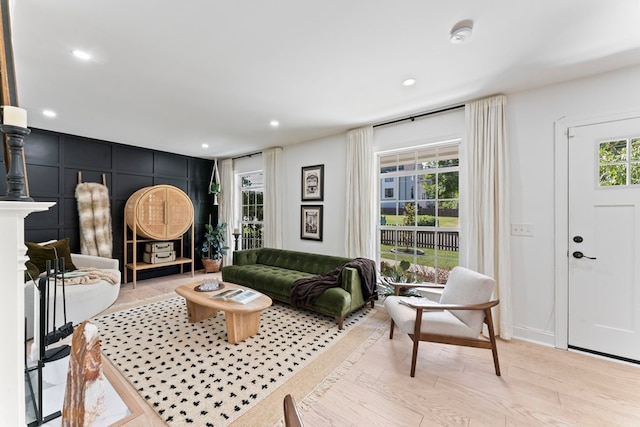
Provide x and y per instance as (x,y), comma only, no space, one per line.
(419,223)
(252,219)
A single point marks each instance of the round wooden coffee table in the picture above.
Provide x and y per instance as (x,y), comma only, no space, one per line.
(242,320)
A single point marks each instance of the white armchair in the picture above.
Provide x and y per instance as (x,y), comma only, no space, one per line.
(82,301)
(457,318)
(84,261)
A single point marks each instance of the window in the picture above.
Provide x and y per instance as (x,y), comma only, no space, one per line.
(419,228)
(252,189)
(619,162)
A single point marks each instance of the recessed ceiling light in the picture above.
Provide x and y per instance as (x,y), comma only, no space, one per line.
(80,54)
(205,145)
(461,32)
(409,82)
(274,123)
(49,113)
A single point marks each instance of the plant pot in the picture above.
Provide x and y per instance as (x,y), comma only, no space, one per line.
(211,265)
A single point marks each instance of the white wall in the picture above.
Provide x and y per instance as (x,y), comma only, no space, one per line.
(330,152)
(425,130)
(531,117)
(248,164)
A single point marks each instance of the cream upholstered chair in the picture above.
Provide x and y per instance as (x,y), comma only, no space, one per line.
(82,301)
(291,414)
(456,319)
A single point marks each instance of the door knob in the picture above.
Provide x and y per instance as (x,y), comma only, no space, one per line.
(578,255)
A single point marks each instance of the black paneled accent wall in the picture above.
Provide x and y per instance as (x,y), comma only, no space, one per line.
(54,160)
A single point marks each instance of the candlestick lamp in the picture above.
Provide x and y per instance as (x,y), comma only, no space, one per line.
(14,125)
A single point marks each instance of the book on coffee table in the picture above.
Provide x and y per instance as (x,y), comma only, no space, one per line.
(245,296)
(237,295)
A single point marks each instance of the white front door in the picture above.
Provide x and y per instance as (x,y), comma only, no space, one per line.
(604,238)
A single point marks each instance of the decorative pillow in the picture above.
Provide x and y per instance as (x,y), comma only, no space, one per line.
(31,272)
(39,254)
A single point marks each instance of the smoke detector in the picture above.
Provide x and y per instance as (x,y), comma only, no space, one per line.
(461,32)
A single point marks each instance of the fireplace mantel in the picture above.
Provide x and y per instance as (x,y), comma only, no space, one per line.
(12,259)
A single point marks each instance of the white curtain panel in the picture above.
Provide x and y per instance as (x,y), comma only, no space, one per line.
(272,171)
(359,227)
(487,202)
(227,204)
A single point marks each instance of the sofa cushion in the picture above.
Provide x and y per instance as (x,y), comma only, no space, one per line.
(39,254)
(300,261)
(275,281)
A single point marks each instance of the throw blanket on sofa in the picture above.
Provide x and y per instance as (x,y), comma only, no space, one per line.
(305,291)
(95,219)
(94,275)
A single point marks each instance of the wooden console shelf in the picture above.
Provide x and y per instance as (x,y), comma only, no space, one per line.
(157,213)
(145,265)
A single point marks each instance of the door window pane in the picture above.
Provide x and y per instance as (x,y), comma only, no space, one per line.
(613,151)
(635,149)
(635,173)
(619,161)
(613,175)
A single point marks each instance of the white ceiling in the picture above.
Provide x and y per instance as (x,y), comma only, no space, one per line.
(173,75)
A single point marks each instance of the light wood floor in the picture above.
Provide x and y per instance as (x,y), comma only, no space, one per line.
(453,385)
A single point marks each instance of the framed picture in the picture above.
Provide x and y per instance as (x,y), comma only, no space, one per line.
(311,222)
(313,183)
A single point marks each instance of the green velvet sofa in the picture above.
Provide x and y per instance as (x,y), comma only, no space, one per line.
(273,271)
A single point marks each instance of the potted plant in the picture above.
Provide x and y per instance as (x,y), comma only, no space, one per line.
(213,247)
(396,273)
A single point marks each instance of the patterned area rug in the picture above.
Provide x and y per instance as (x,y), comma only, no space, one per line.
(190,374)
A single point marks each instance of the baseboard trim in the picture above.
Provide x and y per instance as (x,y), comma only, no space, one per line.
(535,336)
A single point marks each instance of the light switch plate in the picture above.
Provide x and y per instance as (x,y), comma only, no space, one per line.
(522,230)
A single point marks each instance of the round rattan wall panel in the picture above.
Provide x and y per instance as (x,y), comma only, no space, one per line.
(159,212)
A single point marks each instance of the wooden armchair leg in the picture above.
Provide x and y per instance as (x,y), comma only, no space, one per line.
(414,354)
(492,338)
(391,328)
(416,340)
